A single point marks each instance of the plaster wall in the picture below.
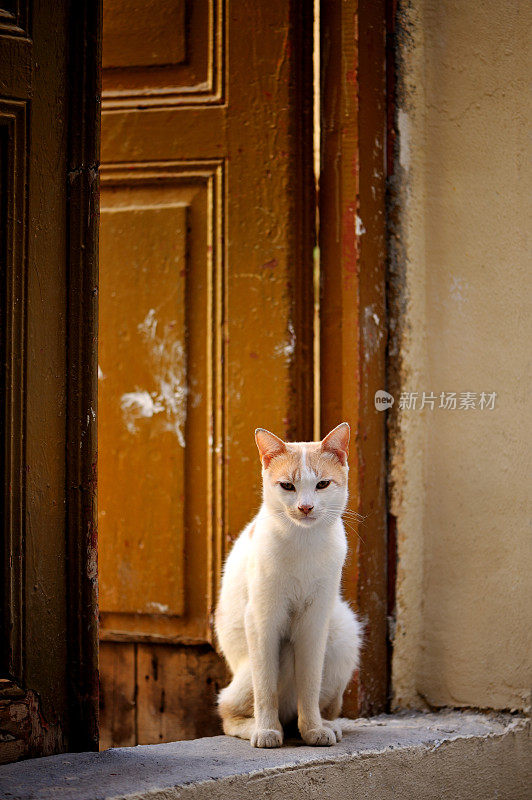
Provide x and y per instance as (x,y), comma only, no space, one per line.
(461,316)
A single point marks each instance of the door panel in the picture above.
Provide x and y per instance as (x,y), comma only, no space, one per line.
(149,354)
(118,695)
(163,53)
(205,322)
(156,357)
(177,688)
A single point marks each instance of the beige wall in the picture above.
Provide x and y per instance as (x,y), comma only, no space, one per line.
(461,479)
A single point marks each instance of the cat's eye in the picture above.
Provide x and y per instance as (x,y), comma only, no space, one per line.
(288,487)
(323,484)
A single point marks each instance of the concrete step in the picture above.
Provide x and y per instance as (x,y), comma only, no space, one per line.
(415,756)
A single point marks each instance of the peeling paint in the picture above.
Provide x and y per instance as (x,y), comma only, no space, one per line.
(157,608)
(25,731)
(403,125)
(168,363)
(458,289)
(139,404)
(148,326)
(373,334)
(288,348)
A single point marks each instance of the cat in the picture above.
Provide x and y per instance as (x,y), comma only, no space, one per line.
(290,640)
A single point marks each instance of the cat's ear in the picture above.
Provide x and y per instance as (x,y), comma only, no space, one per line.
(337,442)
(269,446)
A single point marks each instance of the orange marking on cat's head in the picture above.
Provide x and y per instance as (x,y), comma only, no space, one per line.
(328,466)
(327,459)
(287,465)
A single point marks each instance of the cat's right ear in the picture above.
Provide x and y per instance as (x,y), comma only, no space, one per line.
(269,446)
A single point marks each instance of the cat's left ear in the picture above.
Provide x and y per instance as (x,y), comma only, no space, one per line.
(269,445)
(337,442)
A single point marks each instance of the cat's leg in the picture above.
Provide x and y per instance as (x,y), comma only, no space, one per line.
(263,637)
(235,704)
(341,659)
(309,635)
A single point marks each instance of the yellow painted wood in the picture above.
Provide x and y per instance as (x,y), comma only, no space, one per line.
(143,399)
(206,275)
(148,34)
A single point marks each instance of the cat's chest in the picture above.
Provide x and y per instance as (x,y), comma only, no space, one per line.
(300,580)
(296,572)
(299,598)
(296,606)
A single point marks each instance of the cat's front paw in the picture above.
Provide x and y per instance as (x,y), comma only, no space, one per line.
(335,726)
(266,737)
(321,737)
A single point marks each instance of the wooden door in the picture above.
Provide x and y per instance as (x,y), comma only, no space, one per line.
(206,306)
(49,123)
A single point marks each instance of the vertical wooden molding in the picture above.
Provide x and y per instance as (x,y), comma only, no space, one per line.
(391,290)
(83,214)
(353,307)
(13,272)
(301,426)
(218,213)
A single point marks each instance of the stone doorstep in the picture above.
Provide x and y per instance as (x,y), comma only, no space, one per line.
(450,754)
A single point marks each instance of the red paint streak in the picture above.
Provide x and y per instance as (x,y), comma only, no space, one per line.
(351,77)
(350,254)
(271,264)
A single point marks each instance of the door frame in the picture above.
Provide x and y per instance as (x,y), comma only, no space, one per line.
(51,587)
(84,113)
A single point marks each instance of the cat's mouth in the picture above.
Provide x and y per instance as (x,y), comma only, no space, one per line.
(304,519)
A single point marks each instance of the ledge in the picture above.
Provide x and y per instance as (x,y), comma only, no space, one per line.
(445,755)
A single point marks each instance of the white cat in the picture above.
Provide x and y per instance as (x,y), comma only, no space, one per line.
(290,640)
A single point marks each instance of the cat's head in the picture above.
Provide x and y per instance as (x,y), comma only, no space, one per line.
(306,481)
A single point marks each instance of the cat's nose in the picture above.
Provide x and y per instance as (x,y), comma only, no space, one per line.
(305,509)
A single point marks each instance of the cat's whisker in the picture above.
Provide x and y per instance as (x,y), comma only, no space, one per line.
(330,515)
(352,512)
(355,519)
(354,515)
(355,532)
